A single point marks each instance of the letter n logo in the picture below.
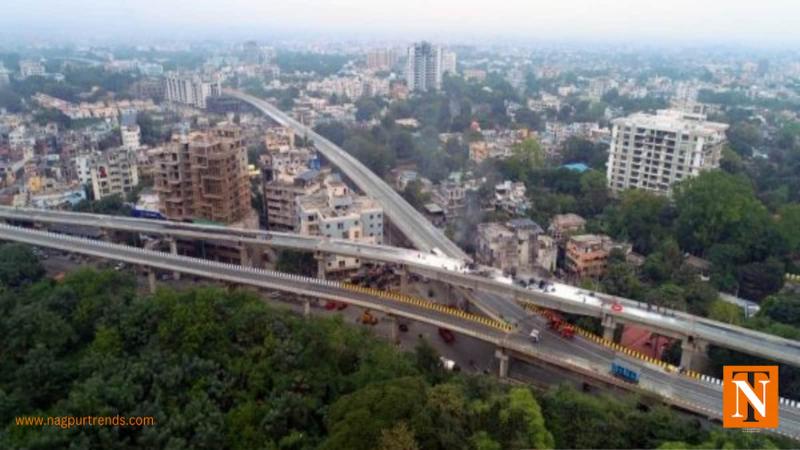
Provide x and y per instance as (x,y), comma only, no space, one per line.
(750,397)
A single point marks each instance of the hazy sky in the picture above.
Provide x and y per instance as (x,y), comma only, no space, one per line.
(751,22)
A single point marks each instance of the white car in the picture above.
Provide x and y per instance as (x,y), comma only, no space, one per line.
(534,336)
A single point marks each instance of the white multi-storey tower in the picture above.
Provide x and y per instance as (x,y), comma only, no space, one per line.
(424,67)
(653,152)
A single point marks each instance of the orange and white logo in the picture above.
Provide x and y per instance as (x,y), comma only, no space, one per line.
(750,397)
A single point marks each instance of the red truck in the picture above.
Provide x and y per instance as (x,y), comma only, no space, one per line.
(559,325)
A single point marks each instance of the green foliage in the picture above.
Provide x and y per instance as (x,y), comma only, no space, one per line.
(10,101)
(414,196)
(220,369)
(373,154)
(789,226)
(399,437)
(784,308)
(743,138)
(113,205)
(336,132)
(366,109)
(723,311)
(581,421)
(577,150)
(19,265)
(715,207)
(292,261)
(726,440)
(323,64)
(527,156)
(621,279)
(642,218)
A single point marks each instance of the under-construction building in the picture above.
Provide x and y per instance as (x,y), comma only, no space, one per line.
(204,176)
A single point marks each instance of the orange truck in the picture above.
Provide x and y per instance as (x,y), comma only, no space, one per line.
(559,325)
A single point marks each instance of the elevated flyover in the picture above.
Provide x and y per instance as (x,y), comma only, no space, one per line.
(579,356)
(451,271)
(422,234)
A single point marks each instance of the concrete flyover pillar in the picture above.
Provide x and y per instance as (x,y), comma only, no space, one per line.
(320,257)
(502,356)
(307,308)
(394,335)
(244,256)
(694,354)
(173,249)
(403,280)
(151,280)
(609,327)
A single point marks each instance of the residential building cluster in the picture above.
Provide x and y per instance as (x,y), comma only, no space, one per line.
(110,109)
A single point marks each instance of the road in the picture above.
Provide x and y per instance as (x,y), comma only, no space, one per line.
(497,299)
(422,234)
(576,355)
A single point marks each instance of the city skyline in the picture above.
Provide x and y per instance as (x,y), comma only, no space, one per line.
(770,24)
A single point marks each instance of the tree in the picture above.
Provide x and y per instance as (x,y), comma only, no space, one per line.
(579,150)
(716,207)
(526,157)
(726,440)
(667,296)
(789,226)
(10,101)
(529,119)
(399,437)
(374,155)
(620,279)
(366,109)
(414,196)
(723,311)
(594,193)
(760,279)
(356,420)
(301,263)
(335,132)
(19,265)
(113,205)
(784,308)
(522,422)
(642,218)
(743,137)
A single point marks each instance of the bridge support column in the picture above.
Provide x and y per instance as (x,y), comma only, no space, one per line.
(502,356)
(244,256)
(320,257)
(609,327)
(694,354)
(307,308)
(151,280)
(173,249)
(403,280)
(393,332)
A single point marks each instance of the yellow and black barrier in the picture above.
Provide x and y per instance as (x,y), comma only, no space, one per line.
(418,302)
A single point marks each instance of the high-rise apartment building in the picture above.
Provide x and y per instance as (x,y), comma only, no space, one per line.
(448,62)
(424,67)
(381,59)
(204,176)
(190,89)
(653,152)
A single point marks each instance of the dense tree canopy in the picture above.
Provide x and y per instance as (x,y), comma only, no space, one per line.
(220,369)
